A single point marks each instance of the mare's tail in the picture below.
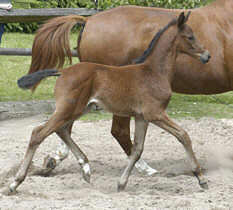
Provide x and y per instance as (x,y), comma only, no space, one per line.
(30,80)
(51,43)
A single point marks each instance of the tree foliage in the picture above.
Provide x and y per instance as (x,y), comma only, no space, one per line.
(102,5)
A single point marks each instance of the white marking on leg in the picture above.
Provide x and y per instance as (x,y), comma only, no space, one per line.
(142,166)
(61,154)
(81,161)
(86,168)
(13,186)
(86,171)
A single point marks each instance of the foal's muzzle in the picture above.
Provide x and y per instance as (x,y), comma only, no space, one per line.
(205,57)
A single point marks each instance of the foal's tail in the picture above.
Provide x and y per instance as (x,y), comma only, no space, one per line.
(51,43)
(30,80)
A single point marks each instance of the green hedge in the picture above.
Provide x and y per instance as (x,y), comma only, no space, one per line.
(103,4)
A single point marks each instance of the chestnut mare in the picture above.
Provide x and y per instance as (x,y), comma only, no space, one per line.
(142,91)
(119,35)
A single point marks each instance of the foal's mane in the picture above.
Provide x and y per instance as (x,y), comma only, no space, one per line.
(148,51)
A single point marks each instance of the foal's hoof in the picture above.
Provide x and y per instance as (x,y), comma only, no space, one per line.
(86,172)
(87,177)
(202,182)
(120,187)
(49,163)
(48,166)
(8,191)
(204,185)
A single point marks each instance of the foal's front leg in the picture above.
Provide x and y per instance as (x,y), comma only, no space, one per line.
(121,132)
(182,136)
(137,149)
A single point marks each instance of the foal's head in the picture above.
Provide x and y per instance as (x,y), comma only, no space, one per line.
(186,41)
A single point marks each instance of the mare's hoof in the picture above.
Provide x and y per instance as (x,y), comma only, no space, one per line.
(151,172)
(49,162)
(143,167)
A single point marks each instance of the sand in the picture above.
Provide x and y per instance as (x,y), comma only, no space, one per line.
(174,187)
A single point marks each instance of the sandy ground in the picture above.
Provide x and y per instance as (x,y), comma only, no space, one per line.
(173,188)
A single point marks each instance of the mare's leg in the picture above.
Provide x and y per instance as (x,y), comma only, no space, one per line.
(137,149)
(167,124)
(65,135)
(121,131)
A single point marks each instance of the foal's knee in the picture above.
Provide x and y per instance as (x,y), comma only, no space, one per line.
(137,152)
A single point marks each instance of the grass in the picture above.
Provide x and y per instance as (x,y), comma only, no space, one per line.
(197,106)
(13,67)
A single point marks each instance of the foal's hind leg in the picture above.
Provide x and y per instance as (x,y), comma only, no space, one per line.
(121,132)
(65,135)
(182,136)
(51,162)
(37,137)
(137,149)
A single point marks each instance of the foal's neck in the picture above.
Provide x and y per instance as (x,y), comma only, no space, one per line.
(163,56)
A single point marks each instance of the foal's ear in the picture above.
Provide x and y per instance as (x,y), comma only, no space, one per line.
(187,16)
(181,20)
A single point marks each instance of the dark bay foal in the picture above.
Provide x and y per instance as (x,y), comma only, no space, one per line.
(139,90)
